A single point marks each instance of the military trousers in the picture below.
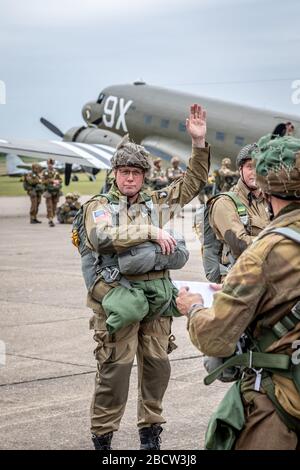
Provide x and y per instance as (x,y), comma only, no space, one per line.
(35,200)
(264,430)
(115,353)
(51,204)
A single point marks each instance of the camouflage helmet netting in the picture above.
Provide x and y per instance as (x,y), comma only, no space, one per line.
(278,165)
(246,153)
(131,154)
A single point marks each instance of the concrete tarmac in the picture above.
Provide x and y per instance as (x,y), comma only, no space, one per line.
(47,373)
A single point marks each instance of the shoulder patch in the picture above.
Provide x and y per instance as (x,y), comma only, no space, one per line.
(101,215)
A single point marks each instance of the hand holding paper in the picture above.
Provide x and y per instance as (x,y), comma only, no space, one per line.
(205,289)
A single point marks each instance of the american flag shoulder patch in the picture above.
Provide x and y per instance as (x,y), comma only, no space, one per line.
(100,215)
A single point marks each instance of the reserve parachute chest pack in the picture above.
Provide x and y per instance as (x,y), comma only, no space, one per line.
(140,259)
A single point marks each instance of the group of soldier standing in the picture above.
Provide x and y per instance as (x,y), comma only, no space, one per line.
(251,249)
(48,183)
(250,237)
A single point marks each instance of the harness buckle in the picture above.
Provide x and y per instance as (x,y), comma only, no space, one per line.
(114,273)
(110,275)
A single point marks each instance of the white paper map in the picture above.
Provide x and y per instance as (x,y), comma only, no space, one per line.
(202,288)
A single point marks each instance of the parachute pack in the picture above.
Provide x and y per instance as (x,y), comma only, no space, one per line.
(141,259)
(212,247)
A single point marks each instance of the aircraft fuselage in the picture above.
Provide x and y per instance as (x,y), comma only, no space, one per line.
(158,115)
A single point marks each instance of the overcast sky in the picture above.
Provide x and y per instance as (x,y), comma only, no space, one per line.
(56,55)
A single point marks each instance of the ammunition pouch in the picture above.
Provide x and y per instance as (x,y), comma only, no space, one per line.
(227,421)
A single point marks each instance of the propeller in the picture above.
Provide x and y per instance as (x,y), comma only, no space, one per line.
(68,172)
(68,166)
(52,127)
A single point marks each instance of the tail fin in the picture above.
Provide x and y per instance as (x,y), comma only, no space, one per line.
(12,162)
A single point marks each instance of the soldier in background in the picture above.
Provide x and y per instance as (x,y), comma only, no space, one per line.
(158,179)
(175,171)
(52,182)
(109,179)
(260,296)
(67,211)
(236,218)
(32,183)
(208,191)
(226,178)
(290,129)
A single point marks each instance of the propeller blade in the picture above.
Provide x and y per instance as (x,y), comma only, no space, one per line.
(68,171)
(52,127)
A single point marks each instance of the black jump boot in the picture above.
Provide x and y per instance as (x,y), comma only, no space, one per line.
(150,437)
(102,442)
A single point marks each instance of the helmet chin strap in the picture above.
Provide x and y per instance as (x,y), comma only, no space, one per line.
(270,207)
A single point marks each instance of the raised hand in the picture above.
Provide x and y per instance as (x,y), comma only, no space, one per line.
(196,125)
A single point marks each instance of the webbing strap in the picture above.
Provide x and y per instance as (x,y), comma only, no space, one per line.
(240,207)
(242,211)
(148,276)
(287,232)
(252,360)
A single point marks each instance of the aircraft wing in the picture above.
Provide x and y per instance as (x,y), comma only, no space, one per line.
(88,155)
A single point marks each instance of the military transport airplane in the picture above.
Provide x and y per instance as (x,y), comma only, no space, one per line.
(154,117)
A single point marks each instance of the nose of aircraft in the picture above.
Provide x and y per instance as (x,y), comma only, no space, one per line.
(91,113)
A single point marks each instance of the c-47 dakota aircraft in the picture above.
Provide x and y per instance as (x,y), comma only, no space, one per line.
(154,117)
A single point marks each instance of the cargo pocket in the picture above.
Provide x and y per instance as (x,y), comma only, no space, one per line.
(102,352)
(157,333)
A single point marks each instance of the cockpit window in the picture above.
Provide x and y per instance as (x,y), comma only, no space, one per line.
(100,98)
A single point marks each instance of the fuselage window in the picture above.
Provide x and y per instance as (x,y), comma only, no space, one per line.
(164,123)
(220,136)
(239,140)
(181,127)
(147,119)
(100,98)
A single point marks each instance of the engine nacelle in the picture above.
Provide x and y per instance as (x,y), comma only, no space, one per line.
(91,135)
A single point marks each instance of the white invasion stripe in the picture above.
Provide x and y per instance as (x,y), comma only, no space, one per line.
(94,162)
(3,141)
(101,152)
(108,148)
